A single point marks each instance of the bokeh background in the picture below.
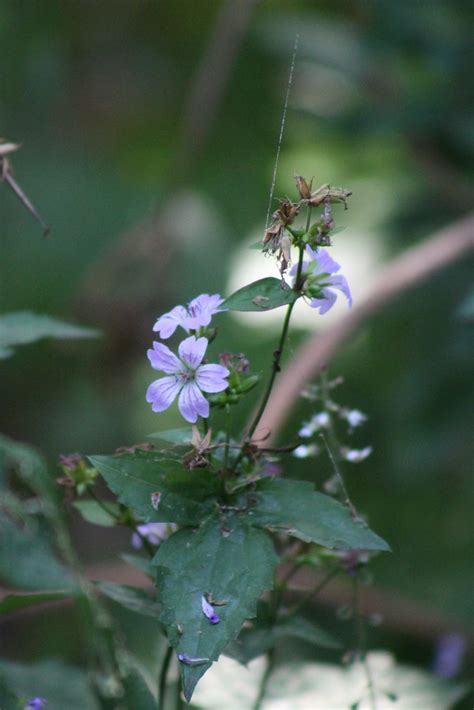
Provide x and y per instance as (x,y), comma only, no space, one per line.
(149,132)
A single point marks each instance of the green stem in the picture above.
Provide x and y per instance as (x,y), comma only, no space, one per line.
(277,355)
(163,677)
(265,679)
(362,642)
(313,593)
(228,424)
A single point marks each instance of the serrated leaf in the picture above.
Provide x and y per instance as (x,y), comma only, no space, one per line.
(132,598)
(22,327)
(27,561)
(262,295)
(13,602)
(93,512)
(296,508)
(61,685)
(233,563)
(182,435)
(185,495)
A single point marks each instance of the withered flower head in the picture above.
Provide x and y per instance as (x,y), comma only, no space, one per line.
(303,188)
(326,193)
(287,212)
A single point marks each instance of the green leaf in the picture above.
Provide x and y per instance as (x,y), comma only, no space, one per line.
(140,563)
(13,602)
(61,685)
(31,468)
(132,598)
(227,559)
(262,295)
(137,694)
(182,435)
(256,641)
(8,699)
(93,512)
(27,560)
(185,495)
(23,327)
(296,508)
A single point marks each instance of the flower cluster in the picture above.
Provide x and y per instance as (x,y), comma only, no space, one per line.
(187,378)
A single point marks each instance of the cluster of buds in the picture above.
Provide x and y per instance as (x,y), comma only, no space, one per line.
(237,365)
(280,236)
(78,474)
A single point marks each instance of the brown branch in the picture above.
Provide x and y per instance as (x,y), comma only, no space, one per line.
(410,269)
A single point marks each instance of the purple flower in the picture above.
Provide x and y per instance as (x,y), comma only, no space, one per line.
(153,532)
(197,315)
(208,610)
(187,377)
(321,271)
(449,654)
(36,703)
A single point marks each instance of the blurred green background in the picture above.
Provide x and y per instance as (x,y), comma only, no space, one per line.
(149,132)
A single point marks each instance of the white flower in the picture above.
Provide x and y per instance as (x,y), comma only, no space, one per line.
(304,452)
(356,455)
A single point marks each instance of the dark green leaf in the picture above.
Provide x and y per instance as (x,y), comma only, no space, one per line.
(31,468)
(27,560)
(93,512)
(296,508)
(132,598)
(24,327)
(233,563)
(8,699)
(134,477)
(256,641)
(262,295)
(13,602)
(137,695)
(62,686)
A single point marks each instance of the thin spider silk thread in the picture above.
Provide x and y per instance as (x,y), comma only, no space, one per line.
(282,127)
